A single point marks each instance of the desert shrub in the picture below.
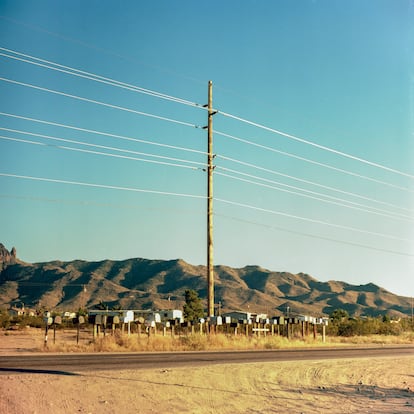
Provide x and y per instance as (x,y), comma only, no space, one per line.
(388,328)
(366,327)
(26,320)
(4,319)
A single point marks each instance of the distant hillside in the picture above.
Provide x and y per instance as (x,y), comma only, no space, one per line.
(159,284)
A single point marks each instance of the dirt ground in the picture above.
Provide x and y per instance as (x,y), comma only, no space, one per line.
(382,385)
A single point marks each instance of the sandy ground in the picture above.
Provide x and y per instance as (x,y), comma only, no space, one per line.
(383,385)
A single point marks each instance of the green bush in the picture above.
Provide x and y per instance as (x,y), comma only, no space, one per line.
(364,327)
(26,320)
(4,319)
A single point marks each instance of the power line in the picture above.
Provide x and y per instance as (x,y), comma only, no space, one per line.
(314,236)
(112,82)
(71,141)
(184,166)
(218,156)
(110,187)
(331,200)
(339,226)
(313,162)
(88,203)
(103,153)
(309,182)
(178,100)
(91,131)
(97,78)
(314,144)
(121,108)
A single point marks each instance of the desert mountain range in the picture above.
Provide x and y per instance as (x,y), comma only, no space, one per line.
(160,284)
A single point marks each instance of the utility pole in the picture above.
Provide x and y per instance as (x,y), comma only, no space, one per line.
(210,168)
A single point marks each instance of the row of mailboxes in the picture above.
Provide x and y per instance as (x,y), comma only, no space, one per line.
(57,320)
(104,319)
(128,316)
(110,317)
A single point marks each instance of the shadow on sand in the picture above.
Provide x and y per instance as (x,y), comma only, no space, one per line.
(37,371)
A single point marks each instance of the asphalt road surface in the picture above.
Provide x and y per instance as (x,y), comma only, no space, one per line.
(70,364)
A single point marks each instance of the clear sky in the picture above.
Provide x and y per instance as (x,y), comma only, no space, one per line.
(92,171)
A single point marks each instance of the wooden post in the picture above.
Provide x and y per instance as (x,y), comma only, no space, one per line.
(46,332)
(210,156)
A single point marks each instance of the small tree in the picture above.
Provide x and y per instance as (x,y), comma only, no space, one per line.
(193,308)
(339,315)
(101,306)
(4,317)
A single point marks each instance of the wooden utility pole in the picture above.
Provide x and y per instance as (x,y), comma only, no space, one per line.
(210,168)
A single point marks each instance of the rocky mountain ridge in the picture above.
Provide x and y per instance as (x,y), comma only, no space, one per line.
(160,284)
(7,257)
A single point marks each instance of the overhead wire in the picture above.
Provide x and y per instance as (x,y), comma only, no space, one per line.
(105,186)
(316,145)
(313,236)
(97,78)
(91,131)
(71,141)
(326,187)
(106,154)
(121,108)
(271,149)
(316,196)
(99,204)
(310,220)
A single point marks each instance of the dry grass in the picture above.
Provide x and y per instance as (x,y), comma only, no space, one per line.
(66,342)
(404,338)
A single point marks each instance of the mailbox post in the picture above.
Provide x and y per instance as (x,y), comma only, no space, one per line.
(48,321)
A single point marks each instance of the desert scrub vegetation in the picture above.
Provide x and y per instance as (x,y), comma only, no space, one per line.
(66,342)
(343,326)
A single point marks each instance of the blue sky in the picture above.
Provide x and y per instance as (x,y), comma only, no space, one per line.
(337,75)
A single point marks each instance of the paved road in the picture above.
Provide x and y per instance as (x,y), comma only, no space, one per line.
(70,364)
